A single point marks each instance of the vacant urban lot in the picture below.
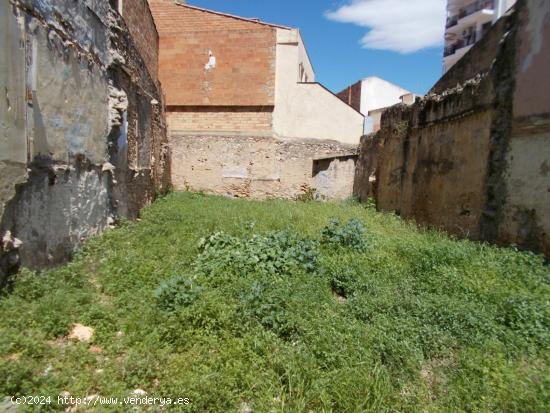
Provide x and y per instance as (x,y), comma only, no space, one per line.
(285,307)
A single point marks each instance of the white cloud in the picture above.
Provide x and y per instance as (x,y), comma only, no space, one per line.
(403,26)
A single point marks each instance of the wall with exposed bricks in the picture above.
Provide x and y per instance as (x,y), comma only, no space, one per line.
(352,96)
(227,119)
(140,23)
(241,56)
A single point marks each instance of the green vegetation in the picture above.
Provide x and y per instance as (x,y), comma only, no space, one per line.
(286,307)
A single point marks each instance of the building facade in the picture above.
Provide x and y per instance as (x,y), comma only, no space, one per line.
(371,96)
(239,93)
(467,22)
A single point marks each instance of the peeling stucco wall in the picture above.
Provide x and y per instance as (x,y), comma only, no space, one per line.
(333,177)
(13,143)
(82,134)
(472,157)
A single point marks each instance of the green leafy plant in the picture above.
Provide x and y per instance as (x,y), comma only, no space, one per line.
(276,253)
(180,291)
(350,235)
(430,323)
(268,307)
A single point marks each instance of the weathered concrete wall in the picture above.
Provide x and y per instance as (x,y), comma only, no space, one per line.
(435,173)
(525,216)
(13,143)
(473,159)
(259,167)
(333,177)
(82,138)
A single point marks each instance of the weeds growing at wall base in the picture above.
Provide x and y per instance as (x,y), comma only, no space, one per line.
(287,307)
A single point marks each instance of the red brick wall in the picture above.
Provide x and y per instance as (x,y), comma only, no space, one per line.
(220,119)
(173,19)
(245,58)
(352,96)
(138,18)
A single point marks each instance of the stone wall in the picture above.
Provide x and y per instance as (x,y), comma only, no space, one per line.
(473,158)
(82,136)
(262,167)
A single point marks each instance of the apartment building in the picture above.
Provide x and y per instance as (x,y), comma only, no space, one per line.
(467,22)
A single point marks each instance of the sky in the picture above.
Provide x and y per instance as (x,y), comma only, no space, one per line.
(347,40)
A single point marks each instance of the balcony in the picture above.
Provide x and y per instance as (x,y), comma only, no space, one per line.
(469,10)
(465,41)
(451,21)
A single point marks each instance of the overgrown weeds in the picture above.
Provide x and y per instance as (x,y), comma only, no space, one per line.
(284,306)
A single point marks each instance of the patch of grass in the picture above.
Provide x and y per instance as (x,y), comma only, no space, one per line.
(269,304)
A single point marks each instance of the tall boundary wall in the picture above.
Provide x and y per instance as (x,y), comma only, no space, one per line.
(82,132)
(262,167)
(473,156)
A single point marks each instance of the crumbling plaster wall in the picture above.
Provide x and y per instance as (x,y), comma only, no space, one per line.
(472,156)
(82,137)
(257,167)
(333,177)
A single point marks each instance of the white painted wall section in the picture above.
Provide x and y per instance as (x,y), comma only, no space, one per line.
(378,93)
(308,110)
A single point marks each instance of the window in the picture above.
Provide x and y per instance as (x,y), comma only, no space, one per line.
(301,72)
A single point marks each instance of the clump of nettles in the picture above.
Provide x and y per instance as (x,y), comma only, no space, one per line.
(276,253)
(179,291)
(349,235)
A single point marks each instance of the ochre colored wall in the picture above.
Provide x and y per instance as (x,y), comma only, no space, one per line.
(473,157)
(436,173)
(526,212)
